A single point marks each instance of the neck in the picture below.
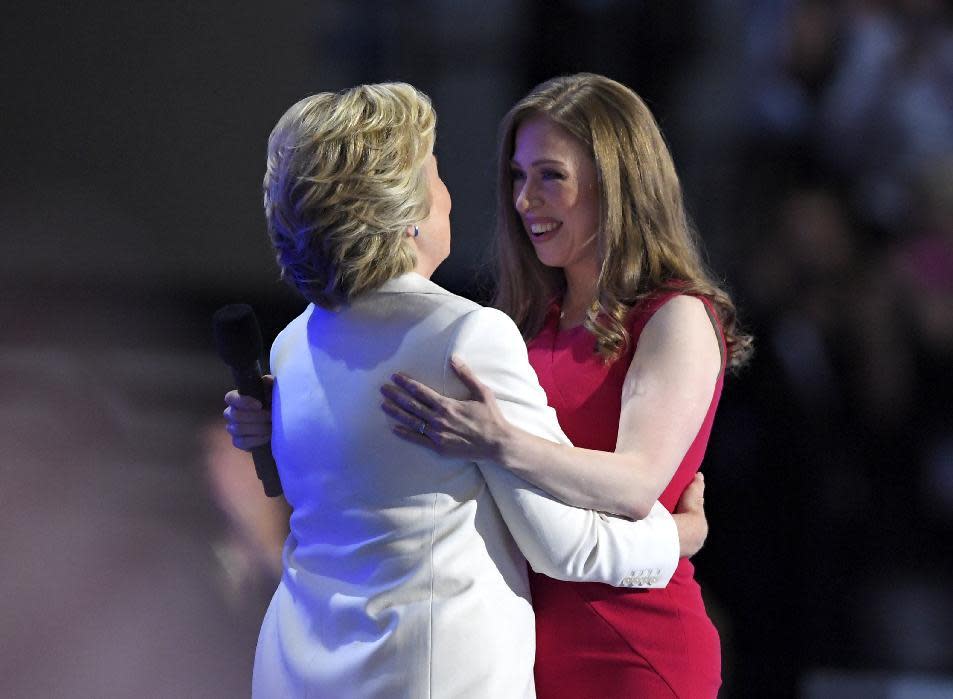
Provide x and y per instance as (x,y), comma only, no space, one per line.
(425,268)
(582,285)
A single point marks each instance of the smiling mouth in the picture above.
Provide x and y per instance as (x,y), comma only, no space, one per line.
(540,229)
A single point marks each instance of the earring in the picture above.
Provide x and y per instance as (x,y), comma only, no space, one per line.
(416,231)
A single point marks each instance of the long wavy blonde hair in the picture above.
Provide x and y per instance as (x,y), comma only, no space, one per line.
(344,179)
(646,242)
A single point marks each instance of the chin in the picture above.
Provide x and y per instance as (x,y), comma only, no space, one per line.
(549,260)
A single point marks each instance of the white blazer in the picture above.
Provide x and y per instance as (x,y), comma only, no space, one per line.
(405,572)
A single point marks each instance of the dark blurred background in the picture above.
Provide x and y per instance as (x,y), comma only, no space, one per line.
(815,144)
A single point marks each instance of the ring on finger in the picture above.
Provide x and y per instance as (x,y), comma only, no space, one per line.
(422,427)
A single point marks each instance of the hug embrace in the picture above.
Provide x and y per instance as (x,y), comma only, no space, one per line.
(431,448)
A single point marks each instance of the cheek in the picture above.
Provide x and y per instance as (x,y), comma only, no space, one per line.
(587,209)
(572,204)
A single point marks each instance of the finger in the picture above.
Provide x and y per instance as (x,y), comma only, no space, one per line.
(467,376)
(692,498)
(398,395)
(694,493)
(237,400)
(422,392)
(239,429)
(248,443)
(410,420)
(259,416)
(412,436)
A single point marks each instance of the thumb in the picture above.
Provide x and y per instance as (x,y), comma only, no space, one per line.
(467,376)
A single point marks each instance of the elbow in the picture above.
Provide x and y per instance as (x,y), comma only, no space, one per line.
(551,568)
(634,493)
(570,570)
(637,508)
(569,561)
(636,500)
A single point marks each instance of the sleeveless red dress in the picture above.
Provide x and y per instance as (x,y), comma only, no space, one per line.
(594,640)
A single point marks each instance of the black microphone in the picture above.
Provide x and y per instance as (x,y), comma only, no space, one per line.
(238,339)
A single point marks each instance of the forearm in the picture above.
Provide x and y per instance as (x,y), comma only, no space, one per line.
(607,481)
(665,397)
(560,541)
(573,544)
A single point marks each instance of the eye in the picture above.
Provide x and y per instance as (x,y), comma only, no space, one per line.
(552,175)
(517,174)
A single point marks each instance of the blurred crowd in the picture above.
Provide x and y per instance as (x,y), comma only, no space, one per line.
(836,230)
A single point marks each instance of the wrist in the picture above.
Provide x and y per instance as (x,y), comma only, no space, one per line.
(690,537)
(504,444)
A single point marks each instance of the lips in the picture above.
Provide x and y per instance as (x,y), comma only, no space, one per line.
(541,231)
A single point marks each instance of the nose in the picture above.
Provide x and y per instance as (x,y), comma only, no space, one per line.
(525,198)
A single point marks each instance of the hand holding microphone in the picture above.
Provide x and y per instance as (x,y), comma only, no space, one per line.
(246,420)
(238,339)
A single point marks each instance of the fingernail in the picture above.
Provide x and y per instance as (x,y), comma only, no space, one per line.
(456,360)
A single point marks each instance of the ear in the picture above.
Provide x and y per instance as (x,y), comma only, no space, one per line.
(409,231)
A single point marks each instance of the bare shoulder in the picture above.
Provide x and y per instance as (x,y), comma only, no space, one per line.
(669,386)
(679,318)
(680,341)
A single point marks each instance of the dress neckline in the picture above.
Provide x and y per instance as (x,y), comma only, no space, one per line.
(553,318)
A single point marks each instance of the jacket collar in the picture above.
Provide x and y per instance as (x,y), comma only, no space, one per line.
(410,283)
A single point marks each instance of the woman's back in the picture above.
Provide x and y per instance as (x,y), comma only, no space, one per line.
(398,568)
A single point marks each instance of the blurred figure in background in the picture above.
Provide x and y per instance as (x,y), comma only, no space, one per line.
(846,128)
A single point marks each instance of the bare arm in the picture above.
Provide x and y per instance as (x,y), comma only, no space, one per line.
(560,541)
(665,397)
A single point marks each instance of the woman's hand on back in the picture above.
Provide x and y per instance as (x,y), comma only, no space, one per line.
(473,429)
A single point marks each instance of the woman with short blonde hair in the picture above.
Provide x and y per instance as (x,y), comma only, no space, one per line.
(344,179)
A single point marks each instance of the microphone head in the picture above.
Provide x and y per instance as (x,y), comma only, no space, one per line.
(237,335)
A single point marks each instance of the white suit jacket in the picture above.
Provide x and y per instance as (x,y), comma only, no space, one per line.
(405,572)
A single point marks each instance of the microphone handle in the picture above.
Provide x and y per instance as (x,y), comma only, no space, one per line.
(249,383)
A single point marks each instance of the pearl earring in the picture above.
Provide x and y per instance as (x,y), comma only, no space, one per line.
(416,231)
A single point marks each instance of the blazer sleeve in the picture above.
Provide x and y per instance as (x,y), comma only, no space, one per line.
(558,540)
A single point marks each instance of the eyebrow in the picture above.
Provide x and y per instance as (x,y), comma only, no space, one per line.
(543,161)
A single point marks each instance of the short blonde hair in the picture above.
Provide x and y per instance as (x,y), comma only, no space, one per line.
(345,178)
(645,239)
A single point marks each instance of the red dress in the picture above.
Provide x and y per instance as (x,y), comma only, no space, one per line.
(594,640)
